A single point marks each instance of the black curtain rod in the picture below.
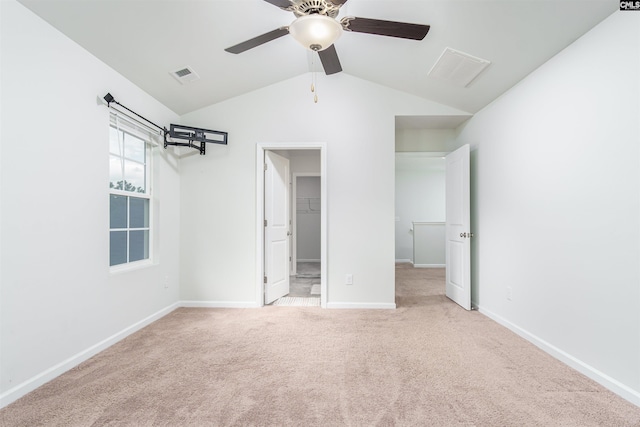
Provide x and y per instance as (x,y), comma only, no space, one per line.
(109,98)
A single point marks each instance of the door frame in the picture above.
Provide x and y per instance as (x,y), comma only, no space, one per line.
(261,147)
(294,209)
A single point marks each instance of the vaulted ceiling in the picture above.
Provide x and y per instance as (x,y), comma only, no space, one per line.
(147,40)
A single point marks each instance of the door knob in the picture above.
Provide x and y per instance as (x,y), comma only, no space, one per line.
(463,235)
(288,233)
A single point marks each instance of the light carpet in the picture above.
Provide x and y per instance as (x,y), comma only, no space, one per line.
(427,363)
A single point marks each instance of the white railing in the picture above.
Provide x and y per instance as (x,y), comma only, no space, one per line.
(429,244)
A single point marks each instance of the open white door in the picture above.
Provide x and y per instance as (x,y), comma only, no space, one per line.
(276,231)
(458,235)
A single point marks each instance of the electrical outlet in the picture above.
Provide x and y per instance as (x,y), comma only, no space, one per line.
(509,293)
(349,279)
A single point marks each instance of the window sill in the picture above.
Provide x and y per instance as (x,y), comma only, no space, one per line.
(132,266)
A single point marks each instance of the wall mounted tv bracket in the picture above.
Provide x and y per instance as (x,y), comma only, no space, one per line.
(193,135)
(185,133)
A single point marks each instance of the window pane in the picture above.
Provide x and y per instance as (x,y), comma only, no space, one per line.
(118,211)
(128,156)
(134,148)
(118,248)
(138,245)
(138,212)
(134,177)
(115,144)
(115,173)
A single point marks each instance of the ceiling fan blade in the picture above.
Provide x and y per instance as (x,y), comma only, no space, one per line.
(338,2)
(282,4)
(330,61)
(402,30)
(257,41)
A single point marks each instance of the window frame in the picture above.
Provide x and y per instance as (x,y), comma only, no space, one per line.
(126,126)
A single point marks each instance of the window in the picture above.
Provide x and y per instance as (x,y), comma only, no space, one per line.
(129,192)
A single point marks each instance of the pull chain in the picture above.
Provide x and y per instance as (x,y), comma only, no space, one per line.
(314,89)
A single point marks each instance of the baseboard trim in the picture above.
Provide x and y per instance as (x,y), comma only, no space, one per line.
(362,305)
(219,304)
(601,378)
(44,377)
(429,265)
(307,260)
(403,261)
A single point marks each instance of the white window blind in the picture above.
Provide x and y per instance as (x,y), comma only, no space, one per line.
(134,126)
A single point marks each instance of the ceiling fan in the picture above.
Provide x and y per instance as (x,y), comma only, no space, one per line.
(317,29)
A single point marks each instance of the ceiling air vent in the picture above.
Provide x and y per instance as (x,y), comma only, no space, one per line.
(457,67)
(185,75)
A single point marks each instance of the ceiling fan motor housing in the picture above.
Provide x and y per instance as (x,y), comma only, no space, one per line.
(309,7)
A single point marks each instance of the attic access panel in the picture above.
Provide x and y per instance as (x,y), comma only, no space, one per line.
(457,67)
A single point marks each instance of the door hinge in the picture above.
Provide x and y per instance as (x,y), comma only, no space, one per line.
(290,259)
(265,166)
(265,222)
(265,279)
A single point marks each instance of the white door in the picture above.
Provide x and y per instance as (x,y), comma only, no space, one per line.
(276,231)
(458,232)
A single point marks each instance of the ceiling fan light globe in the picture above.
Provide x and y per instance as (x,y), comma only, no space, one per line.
(315,32)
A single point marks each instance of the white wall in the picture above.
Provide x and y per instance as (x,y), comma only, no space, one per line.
(308,218)
(420,196)
(59,302)
(556,205)
(356,119)
(416,140)
(304,161)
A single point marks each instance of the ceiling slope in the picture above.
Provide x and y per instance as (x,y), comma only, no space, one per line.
(146,40)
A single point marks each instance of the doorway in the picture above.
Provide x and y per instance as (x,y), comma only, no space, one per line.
(312,270)
(436,136)
(306,275)
(420,209)
(307,206)
(436,187)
